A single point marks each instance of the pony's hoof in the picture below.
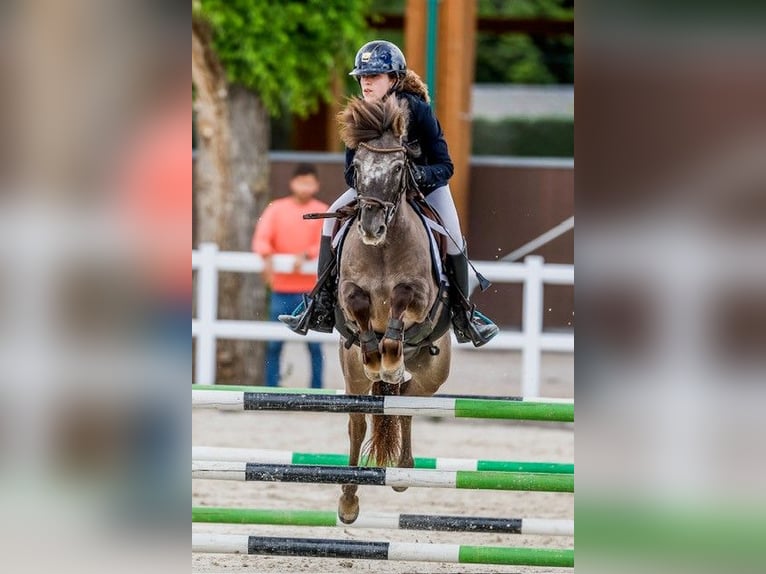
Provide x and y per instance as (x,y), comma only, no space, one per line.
(393,377)
(348,513)
(405,463)
(372,375)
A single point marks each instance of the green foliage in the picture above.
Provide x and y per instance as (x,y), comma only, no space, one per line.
(522,59)
(285,50)
(527,137)
(558,54)
(527,8)
(389,6)
(510,58)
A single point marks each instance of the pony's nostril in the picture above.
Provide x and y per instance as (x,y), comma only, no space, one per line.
(381,229)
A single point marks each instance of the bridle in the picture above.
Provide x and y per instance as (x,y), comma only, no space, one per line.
(409,183)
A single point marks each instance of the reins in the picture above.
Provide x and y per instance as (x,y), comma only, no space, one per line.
(389,207)
(401,148)
(368,202)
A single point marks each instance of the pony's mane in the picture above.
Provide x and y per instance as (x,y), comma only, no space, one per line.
(363,121)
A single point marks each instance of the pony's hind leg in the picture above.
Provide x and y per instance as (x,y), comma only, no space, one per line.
(384,445)
(391,346)
(348,505)
(405,455)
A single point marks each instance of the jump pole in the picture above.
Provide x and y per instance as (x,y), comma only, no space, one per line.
(323,391)
(268,456)
(441,523)
(435,406)
(325,474)
(355,549)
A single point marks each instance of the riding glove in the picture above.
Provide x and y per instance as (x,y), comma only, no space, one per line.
(419,173)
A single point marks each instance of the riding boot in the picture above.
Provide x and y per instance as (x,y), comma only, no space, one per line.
(317,312)
(467,322)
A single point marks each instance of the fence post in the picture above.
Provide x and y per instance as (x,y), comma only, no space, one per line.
(532,326)
(207,310)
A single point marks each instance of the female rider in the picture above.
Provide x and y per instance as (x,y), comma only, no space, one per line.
(381,70)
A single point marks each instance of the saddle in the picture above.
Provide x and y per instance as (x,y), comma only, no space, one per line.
(438,321)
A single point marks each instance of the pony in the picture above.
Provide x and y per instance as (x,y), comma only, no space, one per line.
(387,289)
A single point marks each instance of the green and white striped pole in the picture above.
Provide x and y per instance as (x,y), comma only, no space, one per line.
(405,551)
(269,456)
(436,406)
(395,477)
(390,520)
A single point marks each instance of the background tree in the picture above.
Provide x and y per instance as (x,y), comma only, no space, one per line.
(251,59)
(521,58)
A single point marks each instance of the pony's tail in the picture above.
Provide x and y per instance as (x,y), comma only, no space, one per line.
(385,442)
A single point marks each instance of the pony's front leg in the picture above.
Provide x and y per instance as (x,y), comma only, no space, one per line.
(392,344)
(358,304)
(348,505)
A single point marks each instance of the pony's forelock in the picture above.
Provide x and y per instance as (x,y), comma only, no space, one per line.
(362,121)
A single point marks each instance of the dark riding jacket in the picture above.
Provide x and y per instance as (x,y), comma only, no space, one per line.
(423,130)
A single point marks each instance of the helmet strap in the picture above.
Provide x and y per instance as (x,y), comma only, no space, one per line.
(395,86)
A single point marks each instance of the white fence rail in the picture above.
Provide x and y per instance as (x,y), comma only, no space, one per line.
(531,340)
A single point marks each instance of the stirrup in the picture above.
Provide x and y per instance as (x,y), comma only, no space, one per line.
(473,326)
(481,328)
(310,314)
(298,322)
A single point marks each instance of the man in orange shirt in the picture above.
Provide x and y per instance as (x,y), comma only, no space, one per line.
(281,229)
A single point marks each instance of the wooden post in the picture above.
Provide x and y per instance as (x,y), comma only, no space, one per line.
(415,36)
(454,78)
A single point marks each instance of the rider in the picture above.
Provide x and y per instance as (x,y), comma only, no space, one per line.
(381,70)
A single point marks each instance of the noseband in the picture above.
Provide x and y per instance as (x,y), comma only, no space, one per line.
(389,207)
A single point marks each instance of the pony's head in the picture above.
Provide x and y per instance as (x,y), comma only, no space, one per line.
(376,130)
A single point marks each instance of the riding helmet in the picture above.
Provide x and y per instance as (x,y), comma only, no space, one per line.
(379,57)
